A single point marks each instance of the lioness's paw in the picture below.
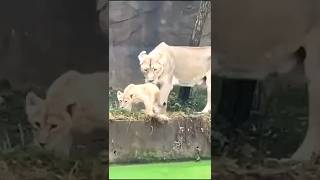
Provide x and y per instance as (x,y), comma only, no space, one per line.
(201,112)
(205,111)
(150,115)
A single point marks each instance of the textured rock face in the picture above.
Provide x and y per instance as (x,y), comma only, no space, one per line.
(137,26)
(142,141)
(39,40)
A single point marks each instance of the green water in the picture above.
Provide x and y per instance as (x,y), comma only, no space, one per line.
(172,170)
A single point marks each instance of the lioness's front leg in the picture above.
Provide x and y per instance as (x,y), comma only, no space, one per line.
(311,143)
(207,108)
(164,94)
(148,107)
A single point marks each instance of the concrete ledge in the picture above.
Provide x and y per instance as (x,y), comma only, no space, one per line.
(180,138)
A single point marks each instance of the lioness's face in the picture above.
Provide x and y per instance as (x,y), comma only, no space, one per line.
(151,68)
(48,129)
(125,102)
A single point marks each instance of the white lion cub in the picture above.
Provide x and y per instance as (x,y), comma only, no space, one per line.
(147,93)
(74,103)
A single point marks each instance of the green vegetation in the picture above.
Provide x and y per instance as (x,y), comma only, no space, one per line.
(172,170)
(119,114)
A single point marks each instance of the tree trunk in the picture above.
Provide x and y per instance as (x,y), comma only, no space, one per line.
(205,7)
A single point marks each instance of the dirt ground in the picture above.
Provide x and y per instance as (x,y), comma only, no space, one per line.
(266,169)
(31,164)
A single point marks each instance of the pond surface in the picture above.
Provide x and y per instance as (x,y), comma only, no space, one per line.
(170,170)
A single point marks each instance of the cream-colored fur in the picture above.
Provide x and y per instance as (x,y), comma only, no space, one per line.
(147,93)
(74,102)
(177,65)
(255,39)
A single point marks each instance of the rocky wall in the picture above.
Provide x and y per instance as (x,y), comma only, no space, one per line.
(177,139)
(39,40)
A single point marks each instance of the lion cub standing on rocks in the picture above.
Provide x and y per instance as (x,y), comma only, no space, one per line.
(74,103)
(147,93)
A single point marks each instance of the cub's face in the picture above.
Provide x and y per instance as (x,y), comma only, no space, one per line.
(51,131)
(125,102)
(151,67)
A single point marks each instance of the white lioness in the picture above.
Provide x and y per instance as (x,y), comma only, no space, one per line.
(256,38)
(74,103)
(147,93)
(177,65)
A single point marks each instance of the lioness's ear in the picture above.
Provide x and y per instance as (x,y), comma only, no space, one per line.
(119,94)
(130,85)
(141,55)
(71,108)
(33,103)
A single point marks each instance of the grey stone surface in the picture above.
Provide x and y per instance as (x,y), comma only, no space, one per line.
(149,141)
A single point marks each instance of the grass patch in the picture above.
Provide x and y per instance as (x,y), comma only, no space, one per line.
(196,102)
(31,163)
(120,114)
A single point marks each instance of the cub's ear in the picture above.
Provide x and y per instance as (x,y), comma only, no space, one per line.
(119,94)
(131,96)
(141,55)
(71,109)
(33,103)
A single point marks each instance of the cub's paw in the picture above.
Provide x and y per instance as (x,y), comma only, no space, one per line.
(163,117)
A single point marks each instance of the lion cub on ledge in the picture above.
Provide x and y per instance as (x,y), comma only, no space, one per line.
(147,93)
